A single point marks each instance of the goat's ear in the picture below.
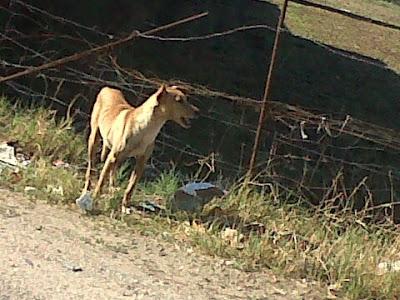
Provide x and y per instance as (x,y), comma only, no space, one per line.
(184,89)
(161,92)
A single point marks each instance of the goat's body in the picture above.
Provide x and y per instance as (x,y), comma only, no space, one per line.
(127,131)
(124,128)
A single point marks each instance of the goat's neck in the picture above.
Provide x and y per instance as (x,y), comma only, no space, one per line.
(146,118)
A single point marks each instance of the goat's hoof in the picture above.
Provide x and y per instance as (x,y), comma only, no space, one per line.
(126,210)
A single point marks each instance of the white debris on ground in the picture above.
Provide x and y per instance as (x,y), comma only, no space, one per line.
(60,164)
(28,189)
(193,187)
(56,190)
(190,198)
(7,156)
(9,159)
(193,196)
(85,202)
(386,267)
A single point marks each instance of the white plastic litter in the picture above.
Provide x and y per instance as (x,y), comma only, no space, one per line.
(386,267)
(7,156)
(192,187)
(85,202)
(29,189)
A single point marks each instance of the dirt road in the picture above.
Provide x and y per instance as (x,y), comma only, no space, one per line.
(48,252)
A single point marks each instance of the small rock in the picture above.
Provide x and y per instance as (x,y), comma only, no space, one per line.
(193,196)
(39,227)
(162,252)
(128,293)
(29,262)
(74,268)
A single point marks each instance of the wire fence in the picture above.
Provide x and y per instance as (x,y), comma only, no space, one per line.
(321,157)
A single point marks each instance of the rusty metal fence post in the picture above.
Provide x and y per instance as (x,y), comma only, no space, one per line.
(267,89)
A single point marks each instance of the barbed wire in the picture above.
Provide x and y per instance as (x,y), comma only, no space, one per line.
(292,112)
(366,137)
(208,36)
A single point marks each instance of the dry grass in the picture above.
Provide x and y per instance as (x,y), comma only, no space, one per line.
(339,251)
(349,34)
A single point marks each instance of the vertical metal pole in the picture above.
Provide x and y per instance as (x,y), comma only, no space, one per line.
(267,89)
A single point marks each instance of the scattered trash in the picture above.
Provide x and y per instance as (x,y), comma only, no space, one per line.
(22,159)
(150,206)
(60,164)
(386,267)
(194,187)
(55,190)
(85,202)
(28,189)
(7,154)
(193,196)
(29,262)
(9,158)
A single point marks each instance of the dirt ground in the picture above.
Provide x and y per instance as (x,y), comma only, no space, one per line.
(48,252)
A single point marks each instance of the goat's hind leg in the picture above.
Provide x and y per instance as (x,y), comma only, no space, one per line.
(110,162)
(113,173)
(93,142)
